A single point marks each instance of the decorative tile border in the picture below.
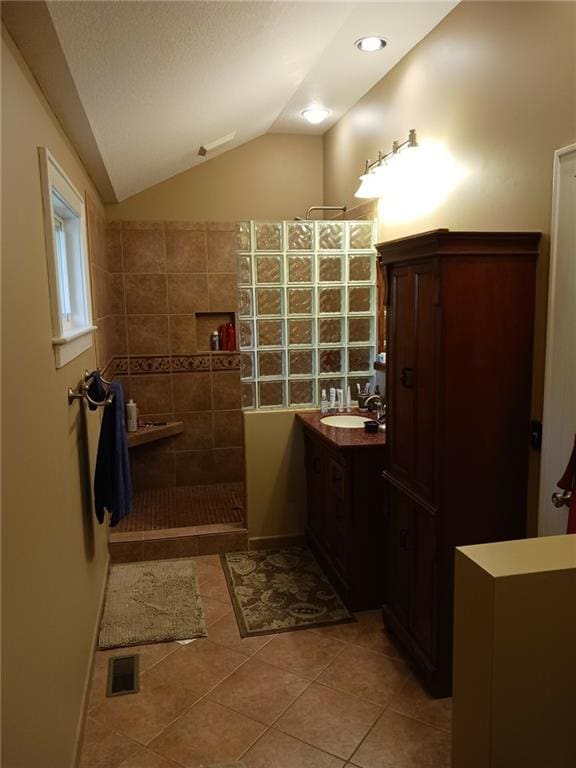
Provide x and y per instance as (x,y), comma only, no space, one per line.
(116,366)
(157,364)
(190,363)
(229,362)
(163,364)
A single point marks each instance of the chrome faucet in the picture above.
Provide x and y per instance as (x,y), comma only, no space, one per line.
(376,403)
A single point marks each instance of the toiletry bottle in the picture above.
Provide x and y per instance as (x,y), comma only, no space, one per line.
(332,407)
(340,396)
(348,401)
(215,341)
(323,403)
(223,334)
(231,336)
(131,416)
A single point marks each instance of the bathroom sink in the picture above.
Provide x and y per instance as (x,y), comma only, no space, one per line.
(344,422)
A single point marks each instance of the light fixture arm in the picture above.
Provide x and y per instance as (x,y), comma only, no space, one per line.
(411,141)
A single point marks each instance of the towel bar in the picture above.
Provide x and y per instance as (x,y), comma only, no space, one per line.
(105,381)
(81,392)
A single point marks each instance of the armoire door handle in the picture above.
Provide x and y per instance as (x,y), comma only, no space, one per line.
(406,377)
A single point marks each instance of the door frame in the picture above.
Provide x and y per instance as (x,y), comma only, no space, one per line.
(546,468)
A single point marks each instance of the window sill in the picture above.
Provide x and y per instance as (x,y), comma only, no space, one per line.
(73,344)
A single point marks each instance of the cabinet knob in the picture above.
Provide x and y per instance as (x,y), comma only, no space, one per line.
(406,377)
(403,536)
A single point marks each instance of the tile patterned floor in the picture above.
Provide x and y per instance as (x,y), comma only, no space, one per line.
(327,698)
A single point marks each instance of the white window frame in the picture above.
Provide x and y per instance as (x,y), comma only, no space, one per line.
(67,261)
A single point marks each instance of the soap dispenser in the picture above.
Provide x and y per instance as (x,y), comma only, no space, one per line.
(131,416)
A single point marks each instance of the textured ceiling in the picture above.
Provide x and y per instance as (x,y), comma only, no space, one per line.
(158,79)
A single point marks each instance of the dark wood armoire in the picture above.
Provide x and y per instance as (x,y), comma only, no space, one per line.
(460,316)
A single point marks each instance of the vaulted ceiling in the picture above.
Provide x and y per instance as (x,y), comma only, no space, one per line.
(140,86)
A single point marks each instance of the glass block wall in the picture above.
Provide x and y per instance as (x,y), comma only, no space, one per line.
(307,309)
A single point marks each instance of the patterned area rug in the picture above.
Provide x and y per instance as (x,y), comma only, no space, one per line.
(278,590)
(151,602)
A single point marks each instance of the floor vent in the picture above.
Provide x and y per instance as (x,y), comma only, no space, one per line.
(122,676)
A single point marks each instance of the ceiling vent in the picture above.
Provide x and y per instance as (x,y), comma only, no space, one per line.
(205,148)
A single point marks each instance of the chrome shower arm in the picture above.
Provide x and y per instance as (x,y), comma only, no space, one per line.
(324,208)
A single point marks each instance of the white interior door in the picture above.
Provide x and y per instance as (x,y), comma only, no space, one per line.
(559,419)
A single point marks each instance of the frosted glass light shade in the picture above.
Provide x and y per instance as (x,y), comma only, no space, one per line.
(370,186)
(315,115)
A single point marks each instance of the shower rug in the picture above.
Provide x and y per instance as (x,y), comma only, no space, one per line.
(151,602)
(279,590)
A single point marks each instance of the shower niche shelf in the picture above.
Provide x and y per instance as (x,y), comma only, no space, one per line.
(144,435)
(206,322)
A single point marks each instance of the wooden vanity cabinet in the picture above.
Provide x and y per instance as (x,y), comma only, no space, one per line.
(345,522)
(460,309)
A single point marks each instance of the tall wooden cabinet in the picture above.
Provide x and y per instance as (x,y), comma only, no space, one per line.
(460,311)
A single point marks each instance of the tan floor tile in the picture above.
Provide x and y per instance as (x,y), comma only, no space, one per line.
(208,560)
(206,734)
(145,714)
(413,701)
(330,720)
(214,586)
(278,750)
(167,689)
(103,747)
(214,610)
(366,674)
(403,743)
(143,758)
(368,631)
(259,691)
(225,632)
(148,656)
(305,652)
(201,665)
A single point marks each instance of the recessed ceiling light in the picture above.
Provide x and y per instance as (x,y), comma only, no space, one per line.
(370,44)
(315,115)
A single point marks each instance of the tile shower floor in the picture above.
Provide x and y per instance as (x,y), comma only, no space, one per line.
(323,698)
(184,506)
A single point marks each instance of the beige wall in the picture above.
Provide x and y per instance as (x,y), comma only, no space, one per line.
(275,176)
(275,474)
(53,556)
(496,84)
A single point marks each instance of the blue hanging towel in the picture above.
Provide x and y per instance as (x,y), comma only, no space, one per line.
(112,484)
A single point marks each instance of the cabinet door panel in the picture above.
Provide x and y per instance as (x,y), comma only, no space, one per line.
(337,514)
(426,321)
(423,603)
(316,476)
(400,395)
(399,557)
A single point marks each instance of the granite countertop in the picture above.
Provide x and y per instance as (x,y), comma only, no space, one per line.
(342,438)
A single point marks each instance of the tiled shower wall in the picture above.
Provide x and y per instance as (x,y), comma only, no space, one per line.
(159,289)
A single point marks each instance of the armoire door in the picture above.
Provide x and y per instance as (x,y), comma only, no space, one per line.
(400,355)
(423,379)
(412,375)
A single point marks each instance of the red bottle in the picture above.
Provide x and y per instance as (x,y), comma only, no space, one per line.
(223,333)
(231,337)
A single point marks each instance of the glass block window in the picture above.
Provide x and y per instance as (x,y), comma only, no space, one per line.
(307,306)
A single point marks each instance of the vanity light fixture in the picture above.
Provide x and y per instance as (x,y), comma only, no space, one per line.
(374,173)
(370,44)
(315,114)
